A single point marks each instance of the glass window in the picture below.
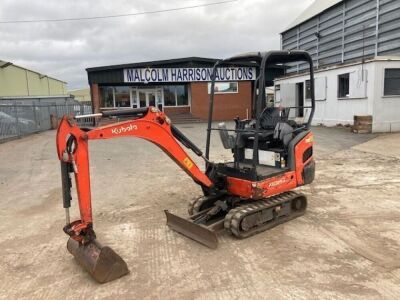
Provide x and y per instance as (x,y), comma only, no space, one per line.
(142,98)
(158,98)
(122,96)
(107,96)
(134,98)
(224,87)
(392,82)
(169,95)
(182,95)
(344,85)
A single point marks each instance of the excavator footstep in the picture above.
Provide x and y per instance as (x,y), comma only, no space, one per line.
(197,232)
(101,262)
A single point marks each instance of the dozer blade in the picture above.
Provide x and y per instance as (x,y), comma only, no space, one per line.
(101,262)
(205,235)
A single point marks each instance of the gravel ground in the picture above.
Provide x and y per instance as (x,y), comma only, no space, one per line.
(346,246)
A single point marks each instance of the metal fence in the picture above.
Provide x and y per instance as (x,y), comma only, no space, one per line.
(18,119)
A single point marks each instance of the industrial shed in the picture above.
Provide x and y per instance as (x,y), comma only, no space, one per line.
(17,81)
(355,45)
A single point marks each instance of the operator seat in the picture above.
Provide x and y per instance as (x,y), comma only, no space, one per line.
(284,133)
(228,141)
(271,116)
(269,119)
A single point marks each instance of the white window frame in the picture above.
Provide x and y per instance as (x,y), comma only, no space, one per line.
(134,91)
(383,84)
(215,93)
(338,86)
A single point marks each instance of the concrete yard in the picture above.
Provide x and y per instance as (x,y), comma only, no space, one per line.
(347,246)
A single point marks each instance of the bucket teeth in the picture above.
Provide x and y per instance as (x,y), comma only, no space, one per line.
(103,263)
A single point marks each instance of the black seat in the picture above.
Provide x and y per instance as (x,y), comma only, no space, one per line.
(262,136)
(283,132)
(239,139)
(271,116)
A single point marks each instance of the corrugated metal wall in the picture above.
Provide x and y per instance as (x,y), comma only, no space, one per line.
(348,31)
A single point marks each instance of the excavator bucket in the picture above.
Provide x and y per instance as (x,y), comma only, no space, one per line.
(101,262)
(203,234)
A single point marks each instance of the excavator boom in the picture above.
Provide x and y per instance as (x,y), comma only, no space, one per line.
(73,151)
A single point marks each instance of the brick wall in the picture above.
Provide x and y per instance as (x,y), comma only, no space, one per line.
(170,110)
(95,93)
(226,106)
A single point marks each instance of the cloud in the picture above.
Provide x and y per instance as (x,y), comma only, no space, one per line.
(64,49)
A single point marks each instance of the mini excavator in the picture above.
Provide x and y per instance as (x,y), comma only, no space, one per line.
(272,155)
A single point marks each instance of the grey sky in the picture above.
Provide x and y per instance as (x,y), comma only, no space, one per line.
(64,49)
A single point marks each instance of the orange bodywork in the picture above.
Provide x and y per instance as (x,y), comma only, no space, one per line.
(154,127)
(277,184)
(300,148)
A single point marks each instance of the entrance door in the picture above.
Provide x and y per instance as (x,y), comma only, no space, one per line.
(150,98)
(142,98)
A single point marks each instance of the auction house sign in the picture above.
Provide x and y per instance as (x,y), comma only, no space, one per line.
(188,74)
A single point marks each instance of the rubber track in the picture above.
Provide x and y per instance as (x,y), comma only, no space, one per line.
(235,216)
(195,204)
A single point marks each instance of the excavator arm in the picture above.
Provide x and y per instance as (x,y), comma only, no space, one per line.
(73,151)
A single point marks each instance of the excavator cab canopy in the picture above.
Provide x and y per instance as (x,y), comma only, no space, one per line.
(264,61)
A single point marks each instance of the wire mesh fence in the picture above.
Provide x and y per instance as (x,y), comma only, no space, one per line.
(17,120)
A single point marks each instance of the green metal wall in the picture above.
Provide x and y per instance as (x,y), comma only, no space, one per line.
(17,81)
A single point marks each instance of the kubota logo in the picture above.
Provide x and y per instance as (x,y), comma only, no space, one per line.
(278,182)
(123,129)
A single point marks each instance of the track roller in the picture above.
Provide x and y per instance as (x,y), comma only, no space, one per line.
(258,216)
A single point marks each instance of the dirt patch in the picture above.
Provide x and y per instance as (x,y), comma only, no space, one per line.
(345,246)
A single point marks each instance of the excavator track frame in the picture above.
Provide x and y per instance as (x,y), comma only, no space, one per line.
(244,220)
(264,214)
(201,204)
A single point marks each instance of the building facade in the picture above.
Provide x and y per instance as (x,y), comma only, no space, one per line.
(371,88)
(82,95)
(176,86)
(16,81)
(355,45)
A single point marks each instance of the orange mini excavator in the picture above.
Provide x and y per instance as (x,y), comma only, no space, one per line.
(272,155)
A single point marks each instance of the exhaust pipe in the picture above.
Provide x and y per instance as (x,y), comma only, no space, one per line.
(102,263)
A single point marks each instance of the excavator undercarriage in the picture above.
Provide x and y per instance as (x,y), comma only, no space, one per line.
(272,155)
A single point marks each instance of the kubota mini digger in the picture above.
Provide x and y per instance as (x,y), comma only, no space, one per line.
(272,155)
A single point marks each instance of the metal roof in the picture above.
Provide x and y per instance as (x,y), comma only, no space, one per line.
(5,64)
(340,66)
(317,7)
(157,63)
